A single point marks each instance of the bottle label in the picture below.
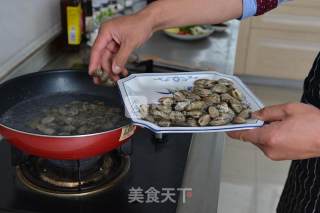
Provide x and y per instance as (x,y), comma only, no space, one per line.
(74,25)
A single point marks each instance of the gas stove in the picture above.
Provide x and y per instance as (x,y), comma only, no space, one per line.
(104,183)
(124,180)
(77,178)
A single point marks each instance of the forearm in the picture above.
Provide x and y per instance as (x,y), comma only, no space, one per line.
(168,13)
(120,36)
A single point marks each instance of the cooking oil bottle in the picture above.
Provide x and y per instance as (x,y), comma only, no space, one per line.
(72,23)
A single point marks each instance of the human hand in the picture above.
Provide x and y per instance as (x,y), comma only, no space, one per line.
(292,132)
(117,38)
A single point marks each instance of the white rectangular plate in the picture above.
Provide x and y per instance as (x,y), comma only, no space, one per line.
(147,88)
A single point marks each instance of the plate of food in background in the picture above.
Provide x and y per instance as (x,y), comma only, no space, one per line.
(222,27)
(190,33)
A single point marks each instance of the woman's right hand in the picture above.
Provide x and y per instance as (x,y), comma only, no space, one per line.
(119,37)
(116,40)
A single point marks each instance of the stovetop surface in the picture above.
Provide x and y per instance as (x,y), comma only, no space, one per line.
(158,165)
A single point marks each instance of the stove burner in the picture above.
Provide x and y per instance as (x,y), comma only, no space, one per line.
(73,178)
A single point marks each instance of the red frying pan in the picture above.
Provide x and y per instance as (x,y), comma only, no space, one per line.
(53,87)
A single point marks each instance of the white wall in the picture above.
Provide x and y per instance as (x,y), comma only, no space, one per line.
(25,25)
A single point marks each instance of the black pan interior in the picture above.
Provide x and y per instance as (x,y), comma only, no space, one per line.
(25,97)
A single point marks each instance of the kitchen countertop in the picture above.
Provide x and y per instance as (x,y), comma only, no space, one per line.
(217,52)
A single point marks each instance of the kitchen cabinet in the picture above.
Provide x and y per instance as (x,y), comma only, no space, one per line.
(280,44)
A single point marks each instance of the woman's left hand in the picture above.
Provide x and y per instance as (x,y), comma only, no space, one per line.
(292,132)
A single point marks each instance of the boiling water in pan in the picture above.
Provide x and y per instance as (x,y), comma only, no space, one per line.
(23,115)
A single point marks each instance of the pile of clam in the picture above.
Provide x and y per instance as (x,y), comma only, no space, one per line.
(77,118)
(208,103)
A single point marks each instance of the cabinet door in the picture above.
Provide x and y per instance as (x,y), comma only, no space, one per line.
(304,3)
(281,54)
(242,47)
(300,19)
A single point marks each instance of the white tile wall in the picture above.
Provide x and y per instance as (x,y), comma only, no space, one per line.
(25,25)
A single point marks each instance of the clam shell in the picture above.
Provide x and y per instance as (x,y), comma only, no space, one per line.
(204,120)
(177,116)
(219,88)
(167,101)
(195,113)
(213,112)
(179,96)
(196,105)
(239,120)
(164,123)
